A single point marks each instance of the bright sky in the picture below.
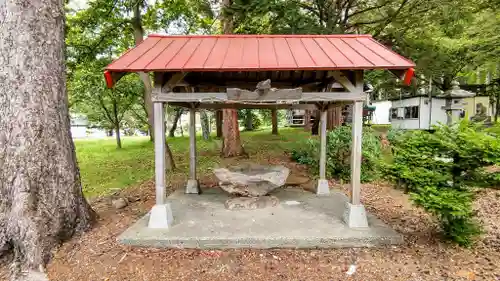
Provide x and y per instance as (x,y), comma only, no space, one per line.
(77,4)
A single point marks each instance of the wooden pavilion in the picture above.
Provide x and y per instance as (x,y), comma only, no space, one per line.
(222,71)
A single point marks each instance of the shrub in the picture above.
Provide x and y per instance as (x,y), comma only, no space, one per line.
(394,133)
(339,143)
(488,179)
(306,152)
(439,169)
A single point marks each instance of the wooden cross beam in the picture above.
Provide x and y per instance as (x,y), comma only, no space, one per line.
(342,80)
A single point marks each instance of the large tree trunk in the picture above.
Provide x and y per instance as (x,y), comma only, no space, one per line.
(205,124)
(231,143)
(41,202)
(148,85)
(274,121)
(218,122)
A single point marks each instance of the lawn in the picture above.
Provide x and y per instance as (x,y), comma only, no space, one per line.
(105,169)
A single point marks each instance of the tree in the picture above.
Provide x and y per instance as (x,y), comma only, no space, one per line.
(248,117)
(231,142)
(105,108)
(205,124)
(323,17)
(41,203)
(307,120)
(136,23)
(274,121)
(136,118)
(163,13)
(177,112)
(432,33)
(113,26)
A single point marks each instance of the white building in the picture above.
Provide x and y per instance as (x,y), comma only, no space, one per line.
(381,115)
(422,113)
(80,128)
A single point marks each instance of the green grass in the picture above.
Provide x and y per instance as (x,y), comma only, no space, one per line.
(105,169)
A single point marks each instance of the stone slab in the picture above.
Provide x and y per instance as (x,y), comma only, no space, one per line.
(202,221)
(251,203)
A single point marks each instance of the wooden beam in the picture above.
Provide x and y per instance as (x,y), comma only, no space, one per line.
(342,80)
(246,105)
(267,95)
(189,97)
(307,85)
(359,81)
(174,81)
(222,97)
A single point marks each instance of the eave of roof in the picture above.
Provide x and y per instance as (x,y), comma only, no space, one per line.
(198,53)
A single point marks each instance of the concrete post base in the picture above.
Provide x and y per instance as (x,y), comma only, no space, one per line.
(355,215)
(161,216)
(192,187)
(322,187)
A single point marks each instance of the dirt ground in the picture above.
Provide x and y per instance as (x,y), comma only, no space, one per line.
(97,256)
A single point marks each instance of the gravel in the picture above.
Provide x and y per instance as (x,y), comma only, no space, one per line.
(97,256)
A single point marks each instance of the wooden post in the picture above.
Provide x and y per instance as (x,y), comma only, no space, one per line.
(159,136)
(322,158)
(192,186)
(218,122)
(161,213)
(192,144)
(355,213)
(357,131)
(322,187)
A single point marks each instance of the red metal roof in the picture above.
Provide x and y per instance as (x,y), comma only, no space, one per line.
(258,53)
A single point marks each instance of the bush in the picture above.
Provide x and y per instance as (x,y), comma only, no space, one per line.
(242,118)
(305,153)
(339,143)
(394,133)
(439,169)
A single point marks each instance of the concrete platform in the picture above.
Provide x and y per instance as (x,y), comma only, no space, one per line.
(302,220)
